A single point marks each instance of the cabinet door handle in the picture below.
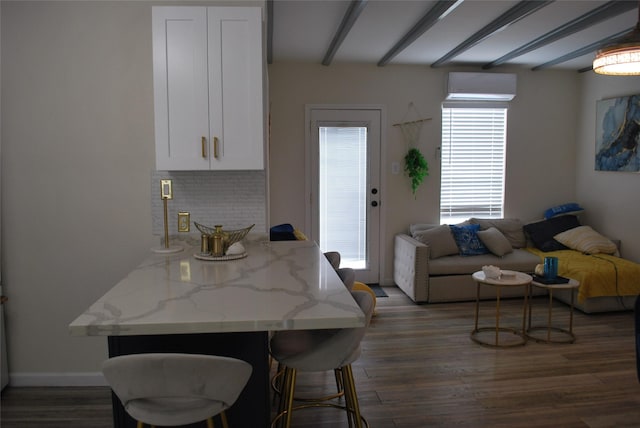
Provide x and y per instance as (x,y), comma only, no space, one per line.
(215,147)
(204,147)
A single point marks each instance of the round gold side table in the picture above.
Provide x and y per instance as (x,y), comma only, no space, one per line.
(507,279)
(565,335)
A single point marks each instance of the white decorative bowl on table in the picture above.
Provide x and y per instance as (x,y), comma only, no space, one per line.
(233,248)
(492,272)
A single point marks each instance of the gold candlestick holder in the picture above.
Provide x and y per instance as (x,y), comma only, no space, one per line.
(166,193)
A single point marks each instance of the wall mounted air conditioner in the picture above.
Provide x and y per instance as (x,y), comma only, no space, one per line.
(481,86)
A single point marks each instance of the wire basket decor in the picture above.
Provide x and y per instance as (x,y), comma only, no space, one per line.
(230,236)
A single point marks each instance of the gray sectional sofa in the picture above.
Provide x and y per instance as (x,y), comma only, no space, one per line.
(428,268)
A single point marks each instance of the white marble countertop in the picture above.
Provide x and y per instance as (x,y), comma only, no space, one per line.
(284,285)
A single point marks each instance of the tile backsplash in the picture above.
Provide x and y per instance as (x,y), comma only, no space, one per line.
(234,199)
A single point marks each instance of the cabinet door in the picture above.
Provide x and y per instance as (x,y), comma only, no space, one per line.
(181,88)
(236,87)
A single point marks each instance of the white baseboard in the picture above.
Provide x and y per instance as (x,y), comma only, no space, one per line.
(56,379)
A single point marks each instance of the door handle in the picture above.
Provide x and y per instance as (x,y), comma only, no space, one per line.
(204,147)
(215,147)
(374,203)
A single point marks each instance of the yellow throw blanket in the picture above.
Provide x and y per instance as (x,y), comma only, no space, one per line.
(599,274)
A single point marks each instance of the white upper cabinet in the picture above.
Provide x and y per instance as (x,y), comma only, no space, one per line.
(208,88)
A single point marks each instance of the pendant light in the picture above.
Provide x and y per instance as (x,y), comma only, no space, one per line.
(621,58)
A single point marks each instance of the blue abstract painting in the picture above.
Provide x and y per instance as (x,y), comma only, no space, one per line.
(618,134)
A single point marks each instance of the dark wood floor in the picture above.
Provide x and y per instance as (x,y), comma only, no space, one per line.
(420,369)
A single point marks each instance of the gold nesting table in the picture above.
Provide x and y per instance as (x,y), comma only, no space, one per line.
(562,335)
(507,279)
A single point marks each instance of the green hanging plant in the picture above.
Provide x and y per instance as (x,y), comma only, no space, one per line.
(416,167)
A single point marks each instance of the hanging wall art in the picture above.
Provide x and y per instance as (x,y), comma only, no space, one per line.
(415,165)
(618,134)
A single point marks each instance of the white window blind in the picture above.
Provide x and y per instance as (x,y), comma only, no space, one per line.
(472,163)
(343,193)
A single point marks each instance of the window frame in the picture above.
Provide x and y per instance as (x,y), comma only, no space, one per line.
(458,201)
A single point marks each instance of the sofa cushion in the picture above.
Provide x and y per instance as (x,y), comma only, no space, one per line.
(419,227)
(519,260)
(495,241)
(586,240)
(467,240)
(439,239)
(511,228)
(541,233)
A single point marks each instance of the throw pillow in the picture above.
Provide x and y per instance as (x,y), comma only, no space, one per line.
(300,236)
(282,232)
(511,228)
(541,233)
(569,208)
(440,241)
(466,238)
(495,241)
(586,240)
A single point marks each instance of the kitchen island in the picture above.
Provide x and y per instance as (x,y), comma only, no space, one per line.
(177,303)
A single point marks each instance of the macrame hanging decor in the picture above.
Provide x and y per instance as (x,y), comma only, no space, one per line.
(415,165)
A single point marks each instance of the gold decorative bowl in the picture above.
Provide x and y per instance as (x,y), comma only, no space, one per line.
(230,236)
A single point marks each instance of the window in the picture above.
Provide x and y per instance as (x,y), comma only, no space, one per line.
(343,193)
(473,162)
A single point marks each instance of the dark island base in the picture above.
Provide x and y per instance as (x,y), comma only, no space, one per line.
(252,409)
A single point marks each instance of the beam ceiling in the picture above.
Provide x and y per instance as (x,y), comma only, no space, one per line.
(594,16)
(441,9)
(439,32)
(511,16)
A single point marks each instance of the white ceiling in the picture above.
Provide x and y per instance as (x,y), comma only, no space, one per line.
(303,31)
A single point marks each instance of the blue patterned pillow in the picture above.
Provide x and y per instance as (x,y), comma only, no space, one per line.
(466,238)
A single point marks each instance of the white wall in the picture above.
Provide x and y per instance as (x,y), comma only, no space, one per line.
(78,151)
(540,153)
(610,198)
(78,155)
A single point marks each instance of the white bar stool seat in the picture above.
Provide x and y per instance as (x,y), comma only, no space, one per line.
(320,350)
(168,389)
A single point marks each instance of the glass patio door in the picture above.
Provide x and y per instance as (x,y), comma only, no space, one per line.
(345,194)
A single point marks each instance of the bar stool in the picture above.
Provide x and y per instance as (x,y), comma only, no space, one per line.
(334,258)
(348,276)
(320,350)
(360,286)
(176,389)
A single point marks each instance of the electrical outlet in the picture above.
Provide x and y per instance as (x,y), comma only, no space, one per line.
(395,168)
(184,222)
